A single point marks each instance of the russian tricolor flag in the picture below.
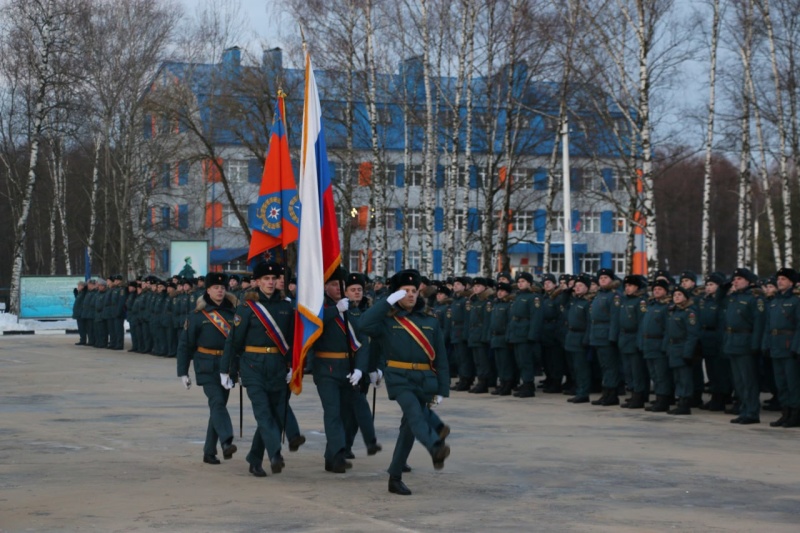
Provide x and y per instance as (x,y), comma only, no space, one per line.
(318,252)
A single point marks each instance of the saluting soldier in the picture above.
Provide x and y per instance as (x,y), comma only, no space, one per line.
(604,332)
(681,343)
(781,342)
(340,360)
(498,328)
(651,341)
(459,334)
(576,342)
(631,312)
(417,372)
(744,330)
(205,333)
(263,331)
(519,328)
(710,313)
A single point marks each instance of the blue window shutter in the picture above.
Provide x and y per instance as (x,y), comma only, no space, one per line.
(399,173)
(165,260)
(165,217)
(437,261)
(576,218)
(398,260)
(331,170)
(607,222)
(473,177)
(473,220)
(539,222)
(605,260)
(183,173)
(251,215)
(440,176)
(165,175)
(540,179)
(608,179)
(438,219)
(183,216)
(147,126)
(254,171)
(472,262)
(398,219)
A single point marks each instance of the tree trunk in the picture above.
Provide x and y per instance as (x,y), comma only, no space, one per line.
(706,223)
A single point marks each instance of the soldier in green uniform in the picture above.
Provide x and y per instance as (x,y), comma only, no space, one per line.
(205,333)
(118,313)
(781,342)
(77,309)
(143,304)
(710,315)
(459,335)
(417,373)
(340,360)
(100,324)
(576,342)
(130,314)
(604,313)
(519,328)
(651,341)
(87,311)
(631,312)
(154,310)
(362,416)
(681,343)
(477,333)
(744,331)
(263,331)
(552,347)
(498,326)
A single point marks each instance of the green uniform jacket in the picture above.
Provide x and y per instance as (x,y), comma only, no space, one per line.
(682,335)
(100,304)
(744,322)
(578,323)
(654,327)
(782,325)
(604,314)
(552,320)
(200,332)
(333,339)
(373,355)
(710,315)
(268,369)
(77,306)
(631,310)
(442,311)
(520,315)
(498,321)
(478,321)
(378,322)
(87,311)
(458,318)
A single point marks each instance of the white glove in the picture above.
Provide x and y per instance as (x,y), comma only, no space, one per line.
(437,399)
(289,376)
(226,381)
(187,382)
(375,378)
(396,296)
(343,305)
(354,377)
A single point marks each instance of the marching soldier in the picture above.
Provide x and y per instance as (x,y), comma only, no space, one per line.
(604,332)
(781,342)
(263,329)
(417,373)
(680,344)
(651,341)
(205,333)
(631,312)
(576,343)
(744,329)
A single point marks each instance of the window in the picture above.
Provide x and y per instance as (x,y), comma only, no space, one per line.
(590,263)
(229,218)
(384,116)
(590,222)
(415,177)
(414,259)
(413,218)
(459,219)
(523,221)
(557,222)
(237,171)
(618,263)
(522,178)
(354,261)
(557,263)
(620,223)
(592,181)
(461,177)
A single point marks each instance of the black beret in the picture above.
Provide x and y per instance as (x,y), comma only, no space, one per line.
(583,278)
(506,275)
(716,277)
(172,285)
(549,277)
(201,278)
(688,274)
(293,280)
(633,279)
(686,292)
(789,273)
(133,284)
(355,279)
(564,277)
(424,280)
(746,273)
(770,281)
(661,282)
(606,272)
(267,269)
(216,278)
(245,279)
(234,276)
(403,278)
(464,280)
(444,289)
(526,276)
(502,286)
(480,280)
(450,280)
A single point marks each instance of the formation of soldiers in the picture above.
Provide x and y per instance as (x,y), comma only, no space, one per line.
(664,342)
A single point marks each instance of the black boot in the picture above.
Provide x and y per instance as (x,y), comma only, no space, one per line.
(612,398)
(794,418)
(496,391)
(505,390)
(716,403)
(683,407)
(464,384)
(697,399)
(602,397)
(396,486)
(480,387)
(526,390)
(661,405)
(636,401)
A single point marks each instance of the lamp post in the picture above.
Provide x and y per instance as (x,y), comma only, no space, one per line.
(566,194)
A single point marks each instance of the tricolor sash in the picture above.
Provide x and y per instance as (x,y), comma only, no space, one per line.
(219,322)
(351,335)
(418,336)
(270,326)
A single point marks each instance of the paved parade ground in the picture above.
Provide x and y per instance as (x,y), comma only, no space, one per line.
(99,440)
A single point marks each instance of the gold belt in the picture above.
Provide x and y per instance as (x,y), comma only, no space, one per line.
(209,351)
(261,349)
(408,366)
(331,355)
